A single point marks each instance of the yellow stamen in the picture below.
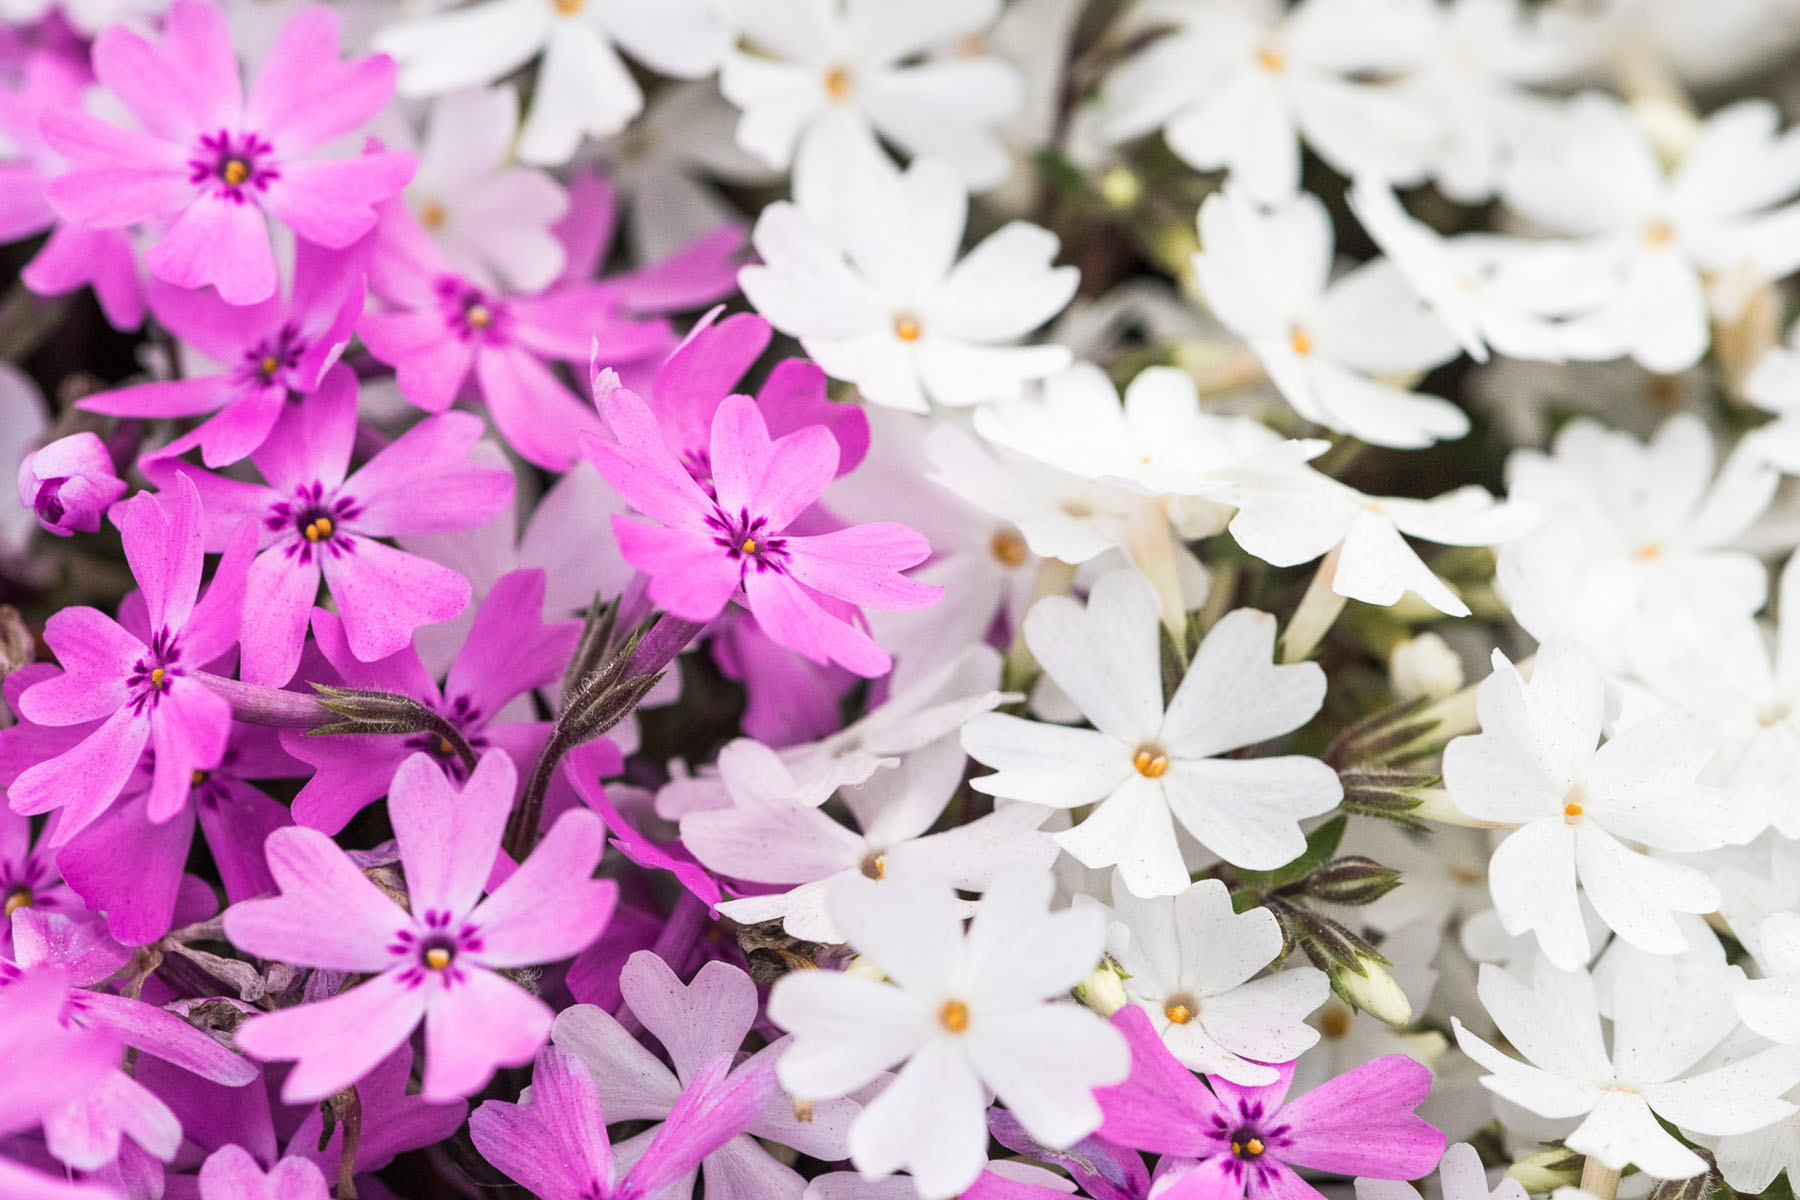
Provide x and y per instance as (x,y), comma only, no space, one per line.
(749,546)
(1301,341)
(1179,1013)
(1571,810)
(1150,762)
(432,215)
(907,329)
(1658,233)
(569,8)
(437,958)
(875,866)
(1250,1148)
(317,530)
(838,83)
(197,778)
(157,676)
(1649,552)
(1008,549)
(444,746)
(268,366)
(19,899)
(955,1016)
(1272,61)
(236,171)
(479,317)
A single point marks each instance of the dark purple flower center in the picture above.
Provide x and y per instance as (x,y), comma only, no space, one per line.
(1247,1143)
(434,948)
(233,164)
(319,523)
(748,540)
(270,359)
(151,675)
(471,313)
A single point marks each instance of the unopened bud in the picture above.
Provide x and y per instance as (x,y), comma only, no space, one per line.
(1102,990)
(70,484)
(1121,188)
(863,967)
(1352,880)
(1546,1170)
(1373,991)
(1424,666)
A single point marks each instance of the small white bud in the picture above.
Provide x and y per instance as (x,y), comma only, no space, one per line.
(1424,666)
(1375,992)
(1102,990)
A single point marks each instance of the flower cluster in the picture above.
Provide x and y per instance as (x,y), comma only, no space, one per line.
(899,599)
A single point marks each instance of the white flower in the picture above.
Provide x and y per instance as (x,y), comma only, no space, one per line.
(1190,962)
(963,1013)
(1773,385)
(1239,81)
(22,421)
(1771,1005)
(1266,275)
(583,87)
(491,218)
(1639,535)
(1144,767)
(1666,1017)
(771,838)
(1535,766)
(1490,290)
(839,72)
(863,269)
(1655,232)
(1294,516)
(1459,1172)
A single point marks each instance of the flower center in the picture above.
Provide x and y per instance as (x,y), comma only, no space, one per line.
(199,777)
(874,866)
(18,898)
(568,8)
(478,316)
(748,540)
(235,171)
(1247,1144)
(1180,1009)
(1272,61)
(906,328)
(1150,762)
(1301,341)
(315,529)
(1572,808)
(1008,549)
(236,162)
(838,84)
(48,502)
(158,678)
(1335,1023)
(433,215)
(438,958)
(1658,234)
(954,1016)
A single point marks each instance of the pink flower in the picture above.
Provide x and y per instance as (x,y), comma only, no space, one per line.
(1248,1140)
(142,693)
(317,520)
(437,963)
(439,327)
(69,484)
(213,162)
(231,1174)
(270,351)
(702,550)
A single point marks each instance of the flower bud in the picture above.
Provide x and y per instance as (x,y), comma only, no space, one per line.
(1373,991)
(1352,880)
(70,484)
(1547,1170)
(1102,990)
(1424,666)
(863,967)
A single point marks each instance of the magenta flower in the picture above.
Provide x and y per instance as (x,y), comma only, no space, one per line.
(439,327)
(317,520)
(509,652)
(557,1147)
(73,256)
(1249,1139)
(46,1064)
(268,351)
(143,693)
(231,1174)
(702,550)
(437,963)
(212,162)
(69,484)
(28,876)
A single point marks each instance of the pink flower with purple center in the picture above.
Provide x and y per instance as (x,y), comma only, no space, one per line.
(318,521)
(216,164)
(437,963)
(1248,1140)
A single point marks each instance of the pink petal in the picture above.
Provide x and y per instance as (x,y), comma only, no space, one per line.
(189,727)
(740,450)
(157,92)
(327,915)
(337,1041)
(75,256)
(384,594)
(333,203)
(794,619)
(241,426)
(304,96)
(641,467)
(704,369)
(715,1108)
(1362,1123)
(171,398)
(556,1145)
(448,841)
(703,271)
(97,655)
(316,447)
(690,575)
(278,599)
(85,779)
(509,649)
(578,322)
(536,414)
(794,397)
(163,544)
(431,360)
(1161,1107)
(861,565)
(218,242)
(551,907)
(197,44)
(166,1036)
(120,177)
(423,481)
(475,1024)
(237,820)
(697,1022)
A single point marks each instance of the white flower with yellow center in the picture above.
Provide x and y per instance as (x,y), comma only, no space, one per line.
(959,1014)
(1144,767)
